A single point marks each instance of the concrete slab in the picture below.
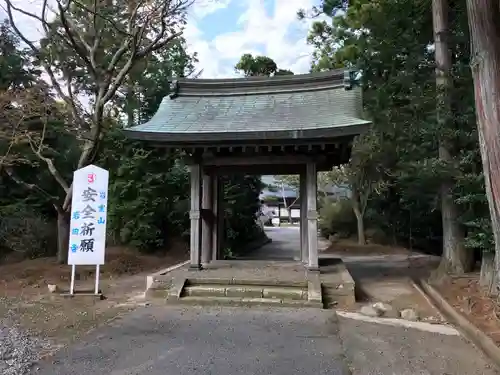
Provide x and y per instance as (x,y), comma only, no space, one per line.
(275,269)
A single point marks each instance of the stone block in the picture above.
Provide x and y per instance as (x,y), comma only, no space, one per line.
(409,314)
(244,291)
(301,304)
(176,288)
(314,291)
(261,301)
(157,293)
(205,290)
(368,310)
(285,293)
(382,308)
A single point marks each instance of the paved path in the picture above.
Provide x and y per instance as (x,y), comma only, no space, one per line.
(285,244)
(230,341)
(167,340)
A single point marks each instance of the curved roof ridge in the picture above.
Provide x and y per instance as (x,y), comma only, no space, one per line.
(258,85)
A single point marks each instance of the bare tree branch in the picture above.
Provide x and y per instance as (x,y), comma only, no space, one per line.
(37,150)
(48,69)
(33,187)
(150,26)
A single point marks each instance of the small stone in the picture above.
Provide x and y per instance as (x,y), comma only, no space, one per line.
(52,288)
(409,314)
(18,350)
(381,308)
(368,310)
(431,319)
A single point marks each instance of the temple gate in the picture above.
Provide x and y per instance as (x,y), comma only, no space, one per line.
(294,124)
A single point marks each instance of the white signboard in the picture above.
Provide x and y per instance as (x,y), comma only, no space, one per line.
(87,238)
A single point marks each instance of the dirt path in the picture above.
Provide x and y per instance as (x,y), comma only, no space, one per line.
(26,302)
(384,274)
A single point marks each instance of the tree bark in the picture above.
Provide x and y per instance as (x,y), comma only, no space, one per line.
(487,275)
(361,227)
(456,258)
(63,224)
(485,42)
(360,220)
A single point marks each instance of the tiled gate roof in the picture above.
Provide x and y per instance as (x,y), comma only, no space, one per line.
(257,108)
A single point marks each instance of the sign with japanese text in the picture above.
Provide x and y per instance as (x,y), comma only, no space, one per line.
(87,237)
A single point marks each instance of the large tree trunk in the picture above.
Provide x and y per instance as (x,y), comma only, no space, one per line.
(487,276)
(456,258)
(63,224)
(360,220)
(361,227)
(485,37)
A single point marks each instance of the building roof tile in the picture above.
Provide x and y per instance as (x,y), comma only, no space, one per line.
(258,108)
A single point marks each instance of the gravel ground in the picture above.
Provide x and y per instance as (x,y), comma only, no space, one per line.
(19,350)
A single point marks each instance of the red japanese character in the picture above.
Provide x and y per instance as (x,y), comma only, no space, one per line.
(91,178)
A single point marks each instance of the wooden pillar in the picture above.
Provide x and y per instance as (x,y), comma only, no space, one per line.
(207,219)
(221,219)
(312,216)
(216,213)
(304,257)
(194,215)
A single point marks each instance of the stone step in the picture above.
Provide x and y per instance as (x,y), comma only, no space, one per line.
(338,297)
(246,301)
(243,281)
(245,291)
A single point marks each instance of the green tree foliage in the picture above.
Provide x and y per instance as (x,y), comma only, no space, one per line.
(91,48)
(241,197)
(259,66)
(336,218)
(148,194)
(149,188)
(394,55)
(26,107)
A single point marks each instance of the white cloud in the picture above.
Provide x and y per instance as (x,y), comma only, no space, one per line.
(279,36)
(203,8)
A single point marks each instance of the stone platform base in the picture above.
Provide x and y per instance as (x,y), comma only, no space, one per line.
(244,283)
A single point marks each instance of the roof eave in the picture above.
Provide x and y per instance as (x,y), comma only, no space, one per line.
(276,135)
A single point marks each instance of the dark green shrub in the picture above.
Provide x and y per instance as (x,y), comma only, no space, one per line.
(337,217)
(26,232)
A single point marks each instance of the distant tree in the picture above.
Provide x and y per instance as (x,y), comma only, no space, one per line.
(252,66)
(291,182)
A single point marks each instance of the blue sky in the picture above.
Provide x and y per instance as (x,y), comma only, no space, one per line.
(220,31)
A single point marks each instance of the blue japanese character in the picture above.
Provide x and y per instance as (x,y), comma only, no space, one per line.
(74,248)
(101,208)
(102,195)
(75,231)
(101,220)
(76,215)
